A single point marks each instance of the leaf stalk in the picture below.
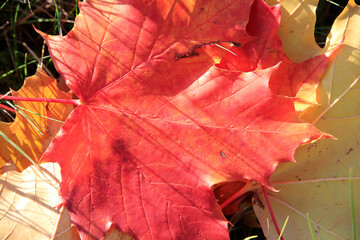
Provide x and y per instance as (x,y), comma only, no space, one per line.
(248,187)
(52,100)
(271,212)
(7,108)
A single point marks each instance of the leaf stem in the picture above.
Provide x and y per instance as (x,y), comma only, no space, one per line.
(271,212)
(248,187)
(7,108)
(52,100)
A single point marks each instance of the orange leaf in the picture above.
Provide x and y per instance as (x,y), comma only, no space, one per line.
(31,131)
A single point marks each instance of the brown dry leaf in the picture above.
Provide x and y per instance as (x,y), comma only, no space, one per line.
(34,133)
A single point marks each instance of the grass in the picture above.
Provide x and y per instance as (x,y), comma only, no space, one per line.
(25,50)
(24,47)
(352,205)
(310,227)
(283,228)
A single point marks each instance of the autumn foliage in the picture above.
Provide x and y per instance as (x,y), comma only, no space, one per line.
(175,98)
(33,136)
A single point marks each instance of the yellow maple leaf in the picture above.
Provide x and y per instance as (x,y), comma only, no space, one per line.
(319,183)
(34,127)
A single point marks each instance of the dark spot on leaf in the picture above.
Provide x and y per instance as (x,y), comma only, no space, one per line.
(120,149)
(120,144)
(349,151)
(311,146)
(185,55)
(69,203)
(202,9)
(236,44)
(192,52)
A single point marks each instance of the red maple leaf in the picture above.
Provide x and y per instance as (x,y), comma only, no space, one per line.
(290,79)
(265,50)
(158,124)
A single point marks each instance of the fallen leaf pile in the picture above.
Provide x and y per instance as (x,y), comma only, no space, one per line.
(175,98)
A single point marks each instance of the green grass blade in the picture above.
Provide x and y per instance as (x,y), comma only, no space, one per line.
(41,20)
(14,34)
(3,5)
(58,17)
(76,7)
(53,119)
(352,204)
(25,68)
(27,117)
(283,228)
(19,68)
(250,237)
(310,227)
(17,147)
